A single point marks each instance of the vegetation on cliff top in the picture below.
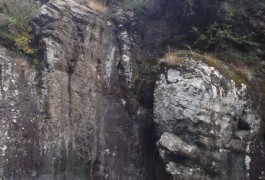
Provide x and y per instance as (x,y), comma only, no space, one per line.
(210,25)
(15,28)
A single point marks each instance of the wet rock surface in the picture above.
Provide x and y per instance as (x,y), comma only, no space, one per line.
(205,122)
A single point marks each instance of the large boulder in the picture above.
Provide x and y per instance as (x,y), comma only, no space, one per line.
(205,123)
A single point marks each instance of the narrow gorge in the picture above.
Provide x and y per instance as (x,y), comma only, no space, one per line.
(106,96)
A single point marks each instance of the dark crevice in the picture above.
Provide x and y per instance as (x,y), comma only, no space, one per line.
(143,88)
(1,81)
(101,34)
(70,97)
(77,47)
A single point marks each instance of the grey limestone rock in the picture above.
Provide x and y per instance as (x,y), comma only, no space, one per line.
(205,122)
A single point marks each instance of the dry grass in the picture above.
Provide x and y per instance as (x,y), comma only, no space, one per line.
(69,4)
(230,71)
(23,65)
(95,5)
(174,58)
(236,73)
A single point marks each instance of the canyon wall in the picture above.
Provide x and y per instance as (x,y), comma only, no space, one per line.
(93,105)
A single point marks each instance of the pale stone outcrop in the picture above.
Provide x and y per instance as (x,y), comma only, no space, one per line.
(205,122)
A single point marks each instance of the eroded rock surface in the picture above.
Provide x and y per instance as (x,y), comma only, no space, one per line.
(84,108)
(205,122)
(88,63)
(19,114)
(72,114)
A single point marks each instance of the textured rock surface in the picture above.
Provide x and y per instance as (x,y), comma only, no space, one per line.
(84,108)
(19,116)
(205,123)
(72,114)
(89,70)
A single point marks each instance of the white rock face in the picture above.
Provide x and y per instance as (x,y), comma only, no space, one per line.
(198,113)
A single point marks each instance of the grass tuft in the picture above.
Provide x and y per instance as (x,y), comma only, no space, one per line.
(237,73)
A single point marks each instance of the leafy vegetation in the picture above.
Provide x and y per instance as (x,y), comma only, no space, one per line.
(228,32)
(209,25)
(15,28)
(228,10)
(221,37)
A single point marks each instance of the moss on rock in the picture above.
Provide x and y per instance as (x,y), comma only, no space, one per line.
(228,70)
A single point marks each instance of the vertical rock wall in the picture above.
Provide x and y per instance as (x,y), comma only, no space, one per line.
(89,69)
(19,115)
(75,115)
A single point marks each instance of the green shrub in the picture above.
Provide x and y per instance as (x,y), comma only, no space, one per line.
(228,11)
(15,28)
(222,38)
(22,43)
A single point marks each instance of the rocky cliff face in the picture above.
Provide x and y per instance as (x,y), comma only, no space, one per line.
(84,108)
(206,123)
(19,114)
(71,114)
